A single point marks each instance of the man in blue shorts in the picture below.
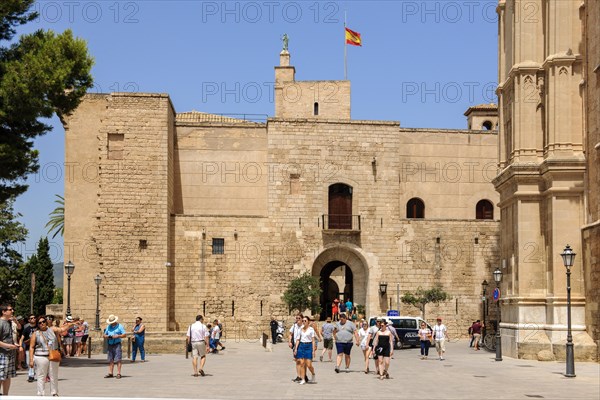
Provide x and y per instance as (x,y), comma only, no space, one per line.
(344,332)
(114,332)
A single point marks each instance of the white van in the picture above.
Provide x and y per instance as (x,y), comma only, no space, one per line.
(407,329)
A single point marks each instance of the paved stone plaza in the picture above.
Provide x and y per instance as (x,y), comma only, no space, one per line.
(246,371)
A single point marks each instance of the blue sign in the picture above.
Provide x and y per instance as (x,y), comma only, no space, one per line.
(496,294)
(393,313)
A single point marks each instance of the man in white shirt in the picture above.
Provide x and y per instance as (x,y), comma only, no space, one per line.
(197,335)
(294,336)
(440,334)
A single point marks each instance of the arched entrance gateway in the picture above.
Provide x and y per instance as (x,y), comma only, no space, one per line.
(344,274)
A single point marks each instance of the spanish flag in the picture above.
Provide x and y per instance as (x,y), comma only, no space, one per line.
(353,38)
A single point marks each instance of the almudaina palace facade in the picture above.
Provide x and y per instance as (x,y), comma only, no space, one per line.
(187,213)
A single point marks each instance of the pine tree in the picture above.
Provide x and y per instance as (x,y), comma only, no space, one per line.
(44,278)
(12,232)
(24,297)
(40,264)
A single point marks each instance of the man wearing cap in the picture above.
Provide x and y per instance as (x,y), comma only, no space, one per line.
(344,332)
(440,334)
(113,333)
(327,333)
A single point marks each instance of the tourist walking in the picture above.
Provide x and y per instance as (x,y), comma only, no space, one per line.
(43,343)
(86,335)
(28,329)
(384,349)
(68,336)
(425,339)
(327,334)
(78,339)
(372,332)
(335,310)
(304,350)
(363,336)
(476,330)
(274,325)
(294,335)
(139,336)
(215,334)
(114,332)
(344,332)
(198,336)
(440,334)
(8,348)
(318,336)
(349,308)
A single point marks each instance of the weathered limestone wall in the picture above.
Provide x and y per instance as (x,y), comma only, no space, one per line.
(82,188)
(591,232)
(128,204)
(221,169)
(262,253)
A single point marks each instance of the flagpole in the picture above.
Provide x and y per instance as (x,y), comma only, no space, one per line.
(345,51)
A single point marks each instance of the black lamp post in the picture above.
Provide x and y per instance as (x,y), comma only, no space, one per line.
(98,281)
(568,257)
(69,268)
(498,279)
(484,286)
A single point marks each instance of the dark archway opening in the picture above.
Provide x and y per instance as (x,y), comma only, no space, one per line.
(336,283)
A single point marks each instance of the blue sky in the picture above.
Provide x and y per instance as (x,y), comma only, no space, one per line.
(422,63)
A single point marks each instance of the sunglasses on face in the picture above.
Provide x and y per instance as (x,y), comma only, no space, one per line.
(41,322)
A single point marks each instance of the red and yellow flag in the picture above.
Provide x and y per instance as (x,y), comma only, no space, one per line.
(353,38)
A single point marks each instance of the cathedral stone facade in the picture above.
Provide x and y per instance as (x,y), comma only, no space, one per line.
(548,180)
(186,213)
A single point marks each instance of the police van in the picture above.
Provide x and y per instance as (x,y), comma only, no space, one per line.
(407,329)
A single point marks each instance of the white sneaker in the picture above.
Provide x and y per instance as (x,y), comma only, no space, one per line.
(302,382)
(347,369)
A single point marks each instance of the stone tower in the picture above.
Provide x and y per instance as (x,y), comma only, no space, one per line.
(541,179)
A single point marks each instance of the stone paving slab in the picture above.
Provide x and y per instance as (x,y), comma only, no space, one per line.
(247,371)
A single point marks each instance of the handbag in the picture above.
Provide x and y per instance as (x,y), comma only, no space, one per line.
(53,355)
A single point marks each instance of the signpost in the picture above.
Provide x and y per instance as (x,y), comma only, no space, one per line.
(393,313)
(496,294)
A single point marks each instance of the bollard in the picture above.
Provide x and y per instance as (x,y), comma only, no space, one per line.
(128,347)
(89,346)
(186,351)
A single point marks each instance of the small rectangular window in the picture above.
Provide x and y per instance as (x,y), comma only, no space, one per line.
(218,246)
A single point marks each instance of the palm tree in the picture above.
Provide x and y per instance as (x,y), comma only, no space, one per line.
(57,218)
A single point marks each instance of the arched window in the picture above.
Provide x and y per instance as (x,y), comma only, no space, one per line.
(484,210)
(340,206)
(487,125)
(415,208)
(316,109)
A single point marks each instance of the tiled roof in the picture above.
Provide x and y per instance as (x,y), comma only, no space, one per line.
(482,107)
(197,116)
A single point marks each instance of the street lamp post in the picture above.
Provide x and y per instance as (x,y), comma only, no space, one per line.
(484,286)
(568,257)
(98,281)
(69,268)
(498,279)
